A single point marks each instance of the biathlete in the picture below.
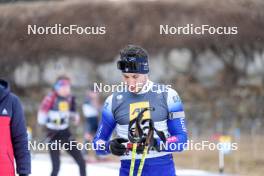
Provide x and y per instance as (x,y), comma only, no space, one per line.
(160,103)
(55,112)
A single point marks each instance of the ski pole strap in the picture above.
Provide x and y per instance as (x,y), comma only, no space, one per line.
(136,136)
(161,135)
(135,132)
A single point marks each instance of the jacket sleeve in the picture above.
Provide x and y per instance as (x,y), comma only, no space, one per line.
(73,105)
(105,129)
(176,124)
(20,139)
(44,108)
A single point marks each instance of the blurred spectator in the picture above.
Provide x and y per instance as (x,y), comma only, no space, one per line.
(55,112)
(90,110)
(13,140)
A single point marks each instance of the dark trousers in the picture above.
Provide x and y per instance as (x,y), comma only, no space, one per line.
(64,136)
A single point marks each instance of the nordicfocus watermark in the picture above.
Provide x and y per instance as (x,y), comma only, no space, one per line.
(198,146)
(191,29)
(58,145)
(124,87)
(190,145)
(59,29)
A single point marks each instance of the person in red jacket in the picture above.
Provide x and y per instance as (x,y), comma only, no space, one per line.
(55,112)
(13,140)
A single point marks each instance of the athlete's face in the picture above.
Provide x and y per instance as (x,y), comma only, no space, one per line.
(135,81)
(64,91)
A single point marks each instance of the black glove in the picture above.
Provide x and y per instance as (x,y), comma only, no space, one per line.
(116,146)
(140,148)
(155,145)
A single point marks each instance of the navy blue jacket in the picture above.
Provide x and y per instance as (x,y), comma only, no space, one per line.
(13,140)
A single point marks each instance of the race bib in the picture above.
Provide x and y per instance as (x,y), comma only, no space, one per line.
(136,108)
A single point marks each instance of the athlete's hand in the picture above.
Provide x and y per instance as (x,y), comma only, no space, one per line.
(155,145)
(140,148)
(76,118)
(88,136)
(116,146)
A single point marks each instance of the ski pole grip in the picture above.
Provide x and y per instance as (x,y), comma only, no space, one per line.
(128,145)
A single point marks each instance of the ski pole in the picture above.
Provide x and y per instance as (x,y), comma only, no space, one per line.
(133,160)
(142,161)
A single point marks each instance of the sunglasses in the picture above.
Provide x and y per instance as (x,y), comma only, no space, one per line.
(129,66)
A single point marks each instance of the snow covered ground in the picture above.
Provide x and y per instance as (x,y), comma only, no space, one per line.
(41,166)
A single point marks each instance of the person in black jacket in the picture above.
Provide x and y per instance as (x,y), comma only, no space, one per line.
(14,139)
